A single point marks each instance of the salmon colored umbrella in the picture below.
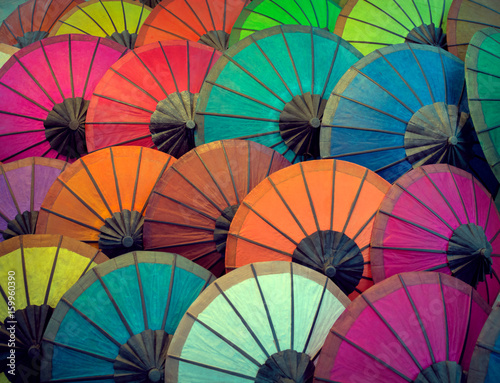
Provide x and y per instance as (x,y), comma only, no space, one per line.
(262,14)
(33,20)
(6,51)
(37,270)
(117,321)
(148,98)
(264,322)
(439,218)
(485,362)
(317,213)
(483,87)
(465,18)
(101,198)
(23,186)
(272,88)
(208,22)
(193,204)
(401,107)
(118,20)
(414,327)
(45,92)
(372,25)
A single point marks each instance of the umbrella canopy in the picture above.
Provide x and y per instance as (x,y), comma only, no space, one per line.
(402,107)
(148,98)
(373,25)
(6,51)
(117,20)
(39,269)
(264,322)
(193,204)
(101,198)
(317,213)
(272,88)
(23,186)
(483,88)
(262,14)
(208,22)
(465,18)
(45,92)
(439,218)
(413,327)
(131,306)
(33,20)
(485,362)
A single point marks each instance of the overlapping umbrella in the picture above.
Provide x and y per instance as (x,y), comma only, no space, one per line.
(272,88)
(6,51)
(401,107)
(44,93)
(264,322)
(23,186)
(131,306)
(465,18)
(317,213)
(148,98)
(208,22)
(101,198)
(413,327)
(193,204)
(371,25)
(483,87)
(262,14)
(118,20)
(439,218)
(33,20)
(39,269)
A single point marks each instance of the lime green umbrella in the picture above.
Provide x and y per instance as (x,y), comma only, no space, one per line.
(483,88)
(262,14)
(370,25)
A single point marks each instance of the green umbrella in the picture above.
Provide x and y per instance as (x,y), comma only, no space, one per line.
(370,25)
(262,14)
(483,88)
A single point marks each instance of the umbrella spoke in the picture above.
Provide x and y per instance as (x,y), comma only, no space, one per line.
(94,182)
(85,352)
(469,315)
(228,372)
(166,165)
(141,289)
(54,263)
(179,19)
(164,30)
(69,219)
(460,195)
(354,202)
(124,103)
(177,224)
(11,192)
(192,208)
(415,224)
(292,61)
(91,260)
(313,324)
(261,245)
(137,86)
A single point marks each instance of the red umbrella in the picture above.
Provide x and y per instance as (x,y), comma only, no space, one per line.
(148,97)
(45,92)
(413,327)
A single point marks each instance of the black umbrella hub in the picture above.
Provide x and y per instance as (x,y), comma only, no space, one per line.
(24,223)
(442,372)
(288,366)
(218,40)
(29,38)
(222,225)
(427,34)
(122,233)
(124,38)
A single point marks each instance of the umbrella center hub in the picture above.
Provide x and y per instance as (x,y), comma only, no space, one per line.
(445,371)
(469,254)
(453,140)
(121,233)
(222,225)
(427,34)
(300,123)
(190,124)
(286,366)
(154,375)
(34,351)
(74,124)
(216,39)
(334,254)
(22,224)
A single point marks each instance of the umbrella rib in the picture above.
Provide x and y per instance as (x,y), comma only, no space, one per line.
(169,67)
(415,224)
(231,172)
(268,314)
(252,378)
(84,378)
(78,29)
(445,318)
(355,201)
(90,263)
(137,173)
(259,135)
(115,176)
(332,65)
(25,97)
(468,326)
(415,310)
(4,217)
(249,168)
(292,60)
(80,199)
(370,355)
(94,182)
(170,289)
(137,86)
(69,4)
(423,73)
(390,16)
(372,25)
(361,229)
(313,324)
(483,50)
(212,18)
(89,353)
(186,206)
(261,245)
(413,249)
(69,219)
(168,32)
(12,33)
(292,309)
(90,67)
(33,78)
(11,192)
(23,263)
(156,183)
(391,329)
(445,86)
(311,205)
(91,322)
(316,15)
(483,72)
(238,116)
(363,129)
(52,271)
(178,224)
(326,380)
(151,73)
(2,292)
(23,150)
(123,103)
(307,18)
(181,244)
(91,18)
(332,210)
(197,17)
(141,289)
(266,16)
(182,21)
(247,326)
(460,194)
(110,18)
(32,185)
(474,22)
(113,302)
(279,6)
(418,11)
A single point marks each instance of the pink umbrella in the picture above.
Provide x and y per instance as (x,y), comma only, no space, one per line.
(44,95)
(439,218)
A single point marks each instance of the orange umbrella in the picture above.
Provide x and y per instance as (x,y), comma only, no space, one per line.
(317,213)
(101,198)
(208,22)
(33,20)
(193,204)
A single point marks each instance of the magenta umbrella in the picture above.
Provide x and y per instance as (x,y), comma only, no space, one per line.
(44,94)
(439,218)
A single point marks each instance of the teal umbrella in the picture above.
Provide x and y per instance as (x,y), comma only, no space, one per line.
(272,87)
